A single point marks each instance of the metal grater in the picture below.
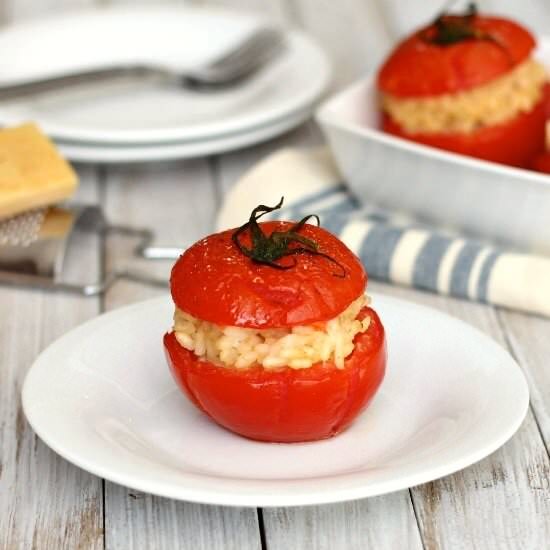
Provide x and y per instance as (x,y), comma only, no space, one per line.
(23,229)
(29,260)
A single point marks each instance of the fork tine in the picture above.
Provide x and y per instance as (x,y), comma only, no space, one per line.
(256,50)
(249,60)
(249,63)
(259,40)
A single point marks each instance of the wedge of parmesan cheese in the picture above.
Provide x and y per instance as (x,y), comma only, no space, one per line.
(32,172)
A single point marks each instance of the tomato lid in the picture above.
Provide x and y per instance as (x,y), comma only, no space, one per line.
(453,54)
(214,280)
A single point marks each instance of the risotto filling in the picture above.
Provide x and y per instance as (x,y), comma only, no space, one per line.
(487,105)
(296,347)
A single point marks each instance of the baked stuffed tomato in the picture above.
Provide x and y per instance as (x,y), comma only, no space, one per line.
(273,336)
(468,84)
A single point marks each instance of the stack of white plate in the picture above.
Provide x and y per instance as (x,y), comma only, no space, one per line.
(147,121)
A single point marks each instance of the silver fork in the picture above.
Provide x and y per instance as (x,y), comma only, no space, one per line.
(231,68)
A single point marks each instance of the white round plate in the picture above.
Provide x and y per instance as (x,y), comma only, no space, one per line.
(81,152)
(175,37)
(103,398)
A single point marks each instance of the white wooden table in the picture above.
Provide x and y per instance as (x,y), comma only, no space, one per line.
(47,503)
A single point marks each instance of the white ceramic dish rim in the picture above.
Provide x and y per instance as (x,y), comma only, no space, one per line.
(328,114)
(235,492)
(112,154)
(298,41)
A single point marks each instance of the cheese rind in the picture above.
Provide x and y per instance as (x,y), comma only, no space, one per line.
(57,223)
(32,172)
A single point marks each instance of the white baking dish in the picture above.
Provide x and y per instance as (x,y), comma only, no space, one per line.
(505,205)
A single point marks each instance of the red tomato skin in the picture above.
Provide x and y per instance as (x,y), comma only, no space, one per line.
(285,405)
(541,163)
(214,281)
(514,143)
(417,68)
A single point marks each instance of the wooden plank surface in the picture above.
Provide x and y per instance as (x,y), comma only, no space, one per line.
(529,339)
(45,502)
(136,521)
(385,522)
(502,502)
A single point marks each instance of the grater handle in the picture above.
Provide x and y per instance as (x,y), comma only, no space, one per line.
(38,282)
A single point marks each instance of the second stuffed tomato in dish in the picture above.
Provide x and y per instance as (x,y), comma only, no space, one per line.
(273,336)
(468,84)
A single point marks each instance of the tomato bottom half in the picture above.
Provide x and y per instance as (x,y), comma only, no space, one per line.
(284,405)
(514,143)
(541,163)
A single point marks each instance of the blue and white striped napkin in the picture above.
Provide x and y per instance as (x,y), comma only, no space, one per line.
(393,247)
